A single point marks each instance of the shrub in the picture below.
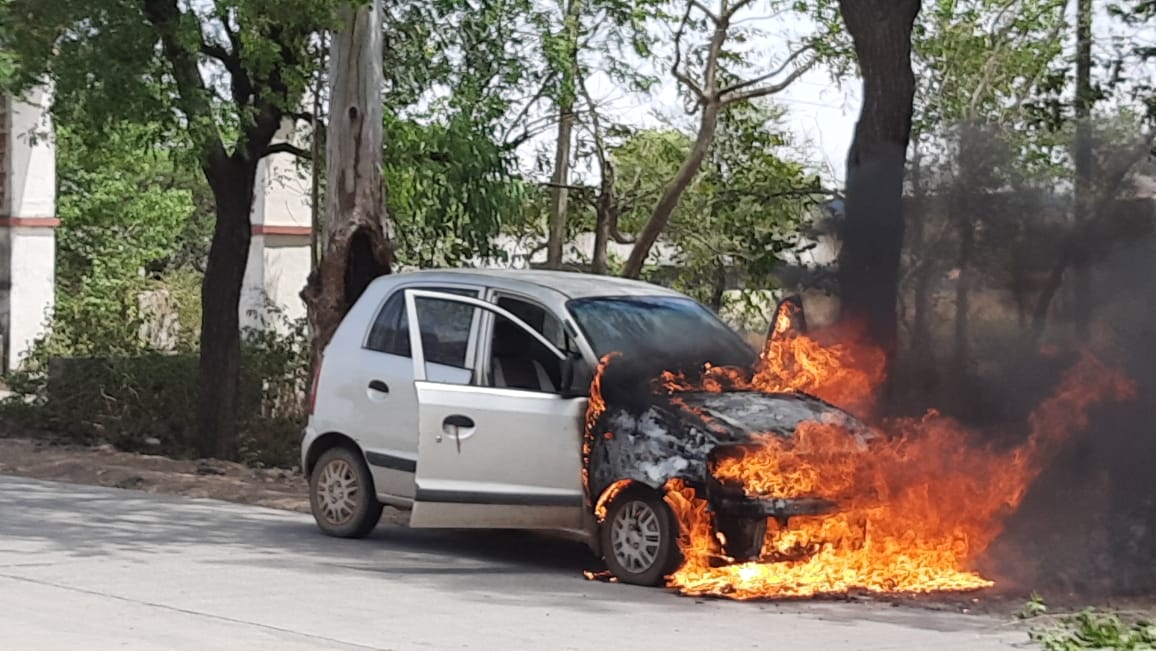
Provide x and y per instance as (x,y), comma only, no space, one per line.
(145,400)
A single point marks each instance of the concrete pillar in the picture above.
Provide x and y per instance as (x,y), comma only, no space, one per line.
(278,265)
(27,223)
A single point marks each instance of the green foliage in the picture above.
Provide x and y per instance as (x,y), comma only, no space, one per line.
(741,215)
(1092,629)
(450,191)
(116,60)
(1034,607)
(978,63)
(124,219)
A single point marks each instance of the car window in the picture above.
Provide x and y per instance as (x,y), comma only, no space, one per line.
(445,330)
(538,318)
(445,327)
(517,359)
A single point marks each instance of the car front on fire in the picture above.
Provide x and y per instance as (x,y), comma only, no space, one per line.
(644,434)
(687,436)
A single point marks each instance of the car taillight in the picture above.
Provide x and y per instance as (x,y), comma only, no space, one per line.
(313,386)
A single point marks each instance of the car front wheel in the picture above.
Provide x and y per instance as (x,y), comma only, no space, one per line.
(640,537)
(341,494)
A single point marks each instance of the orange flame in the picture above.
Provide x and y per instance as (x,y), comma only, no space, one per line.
(915,510)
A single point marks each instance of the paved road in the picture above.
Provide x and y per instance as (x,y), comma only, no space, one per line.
(93,568)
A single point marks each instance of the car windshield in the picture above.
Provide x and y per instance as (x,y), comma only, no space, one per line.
(660,328)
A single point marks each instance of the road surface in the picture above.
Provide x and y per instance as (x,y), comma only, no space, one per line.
(94,568)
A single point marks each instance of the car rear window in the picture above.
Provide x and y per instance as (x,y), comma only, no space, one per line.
(445,327)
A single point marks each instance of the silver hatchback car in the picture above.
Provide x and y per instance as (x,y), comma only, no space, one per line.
(461,397)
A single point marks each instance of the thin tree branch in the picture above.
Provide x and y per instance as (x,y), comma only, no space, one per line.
(729,12)
(288,148)
(676,66)
(193,96)
(714,18)
(773,88)
(770,75)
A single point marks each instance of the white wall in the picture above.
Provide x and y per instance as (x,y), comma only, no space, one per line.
(32,158)
(278,263)
(28,262)
(32,295)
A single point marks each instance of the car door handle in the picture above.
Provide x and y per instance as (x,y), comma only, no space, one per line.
(464,422)
(379,386)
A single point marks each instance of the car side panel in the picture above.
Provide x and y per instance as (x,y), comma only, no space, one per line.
(519,466)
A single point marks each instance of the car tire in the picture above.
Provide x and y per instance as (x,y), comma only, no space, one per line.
(639,537)
(341,494)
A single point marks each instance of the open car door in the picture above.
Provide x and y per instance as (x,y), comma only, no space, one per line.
(494,457)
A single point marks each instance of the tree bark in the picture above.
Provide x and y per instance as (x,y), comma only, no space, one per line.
(923,265)
(1082,284)
(872,238)
(356,245)
(556,238)
(604,216)
(672,194)
(231,181)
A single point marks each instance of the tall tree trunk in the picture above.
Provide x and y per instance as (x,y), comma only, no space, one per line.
(559,195)
(962,291)
(357,248)
(232,183)
(671,195)
(603,219)
(872,238)
(923,263)
(1082,285)
(556,238)
(719,287)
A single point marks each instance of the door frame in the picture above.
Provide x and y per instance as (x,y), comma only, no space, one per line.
(417,353)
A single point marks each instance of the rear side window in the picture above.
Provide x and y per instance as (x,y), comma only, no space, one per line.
(445,327)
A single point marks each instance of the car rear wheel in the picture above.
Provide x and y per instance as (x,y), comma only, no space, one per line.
(640,537)
(341,494)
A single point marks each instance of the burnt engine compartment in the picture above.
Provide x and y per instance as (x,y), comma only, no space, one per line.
(671,436)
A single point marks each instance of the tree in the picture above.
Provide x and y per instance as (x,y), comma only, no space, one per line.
(739,217)
(356,248)
(591,36)
(872,238)
(979,63)
(714,88)
(220,77)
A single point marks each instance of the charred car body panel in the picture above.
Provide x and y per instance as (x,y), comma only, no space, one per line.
(676,436)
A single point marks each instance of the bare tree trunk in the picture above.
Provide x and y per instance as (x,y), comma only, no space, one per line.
(671,195)
(219,374)
(920,326)
(356,245)
(872,239)
(1082,285)
(556,238)
(962,354)
(604,217)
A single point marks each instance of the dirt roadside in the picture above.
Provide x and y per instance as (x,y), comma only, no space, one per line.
(105,466)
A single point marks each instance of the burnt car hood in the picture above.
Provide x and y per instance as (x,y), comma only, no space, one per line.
(673,436)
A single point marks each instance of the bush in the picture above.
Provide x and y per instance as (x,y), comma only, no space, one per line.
(145,401)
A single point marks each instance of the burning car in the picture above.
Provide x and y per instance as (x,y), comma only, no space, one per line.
(485,399)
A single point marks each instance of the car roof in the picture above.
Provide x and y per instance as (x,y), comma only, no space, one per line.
(570,284)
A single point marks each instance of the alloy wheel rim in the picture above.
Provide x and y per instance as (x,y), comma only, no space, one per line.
(636,536)
(337,492)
